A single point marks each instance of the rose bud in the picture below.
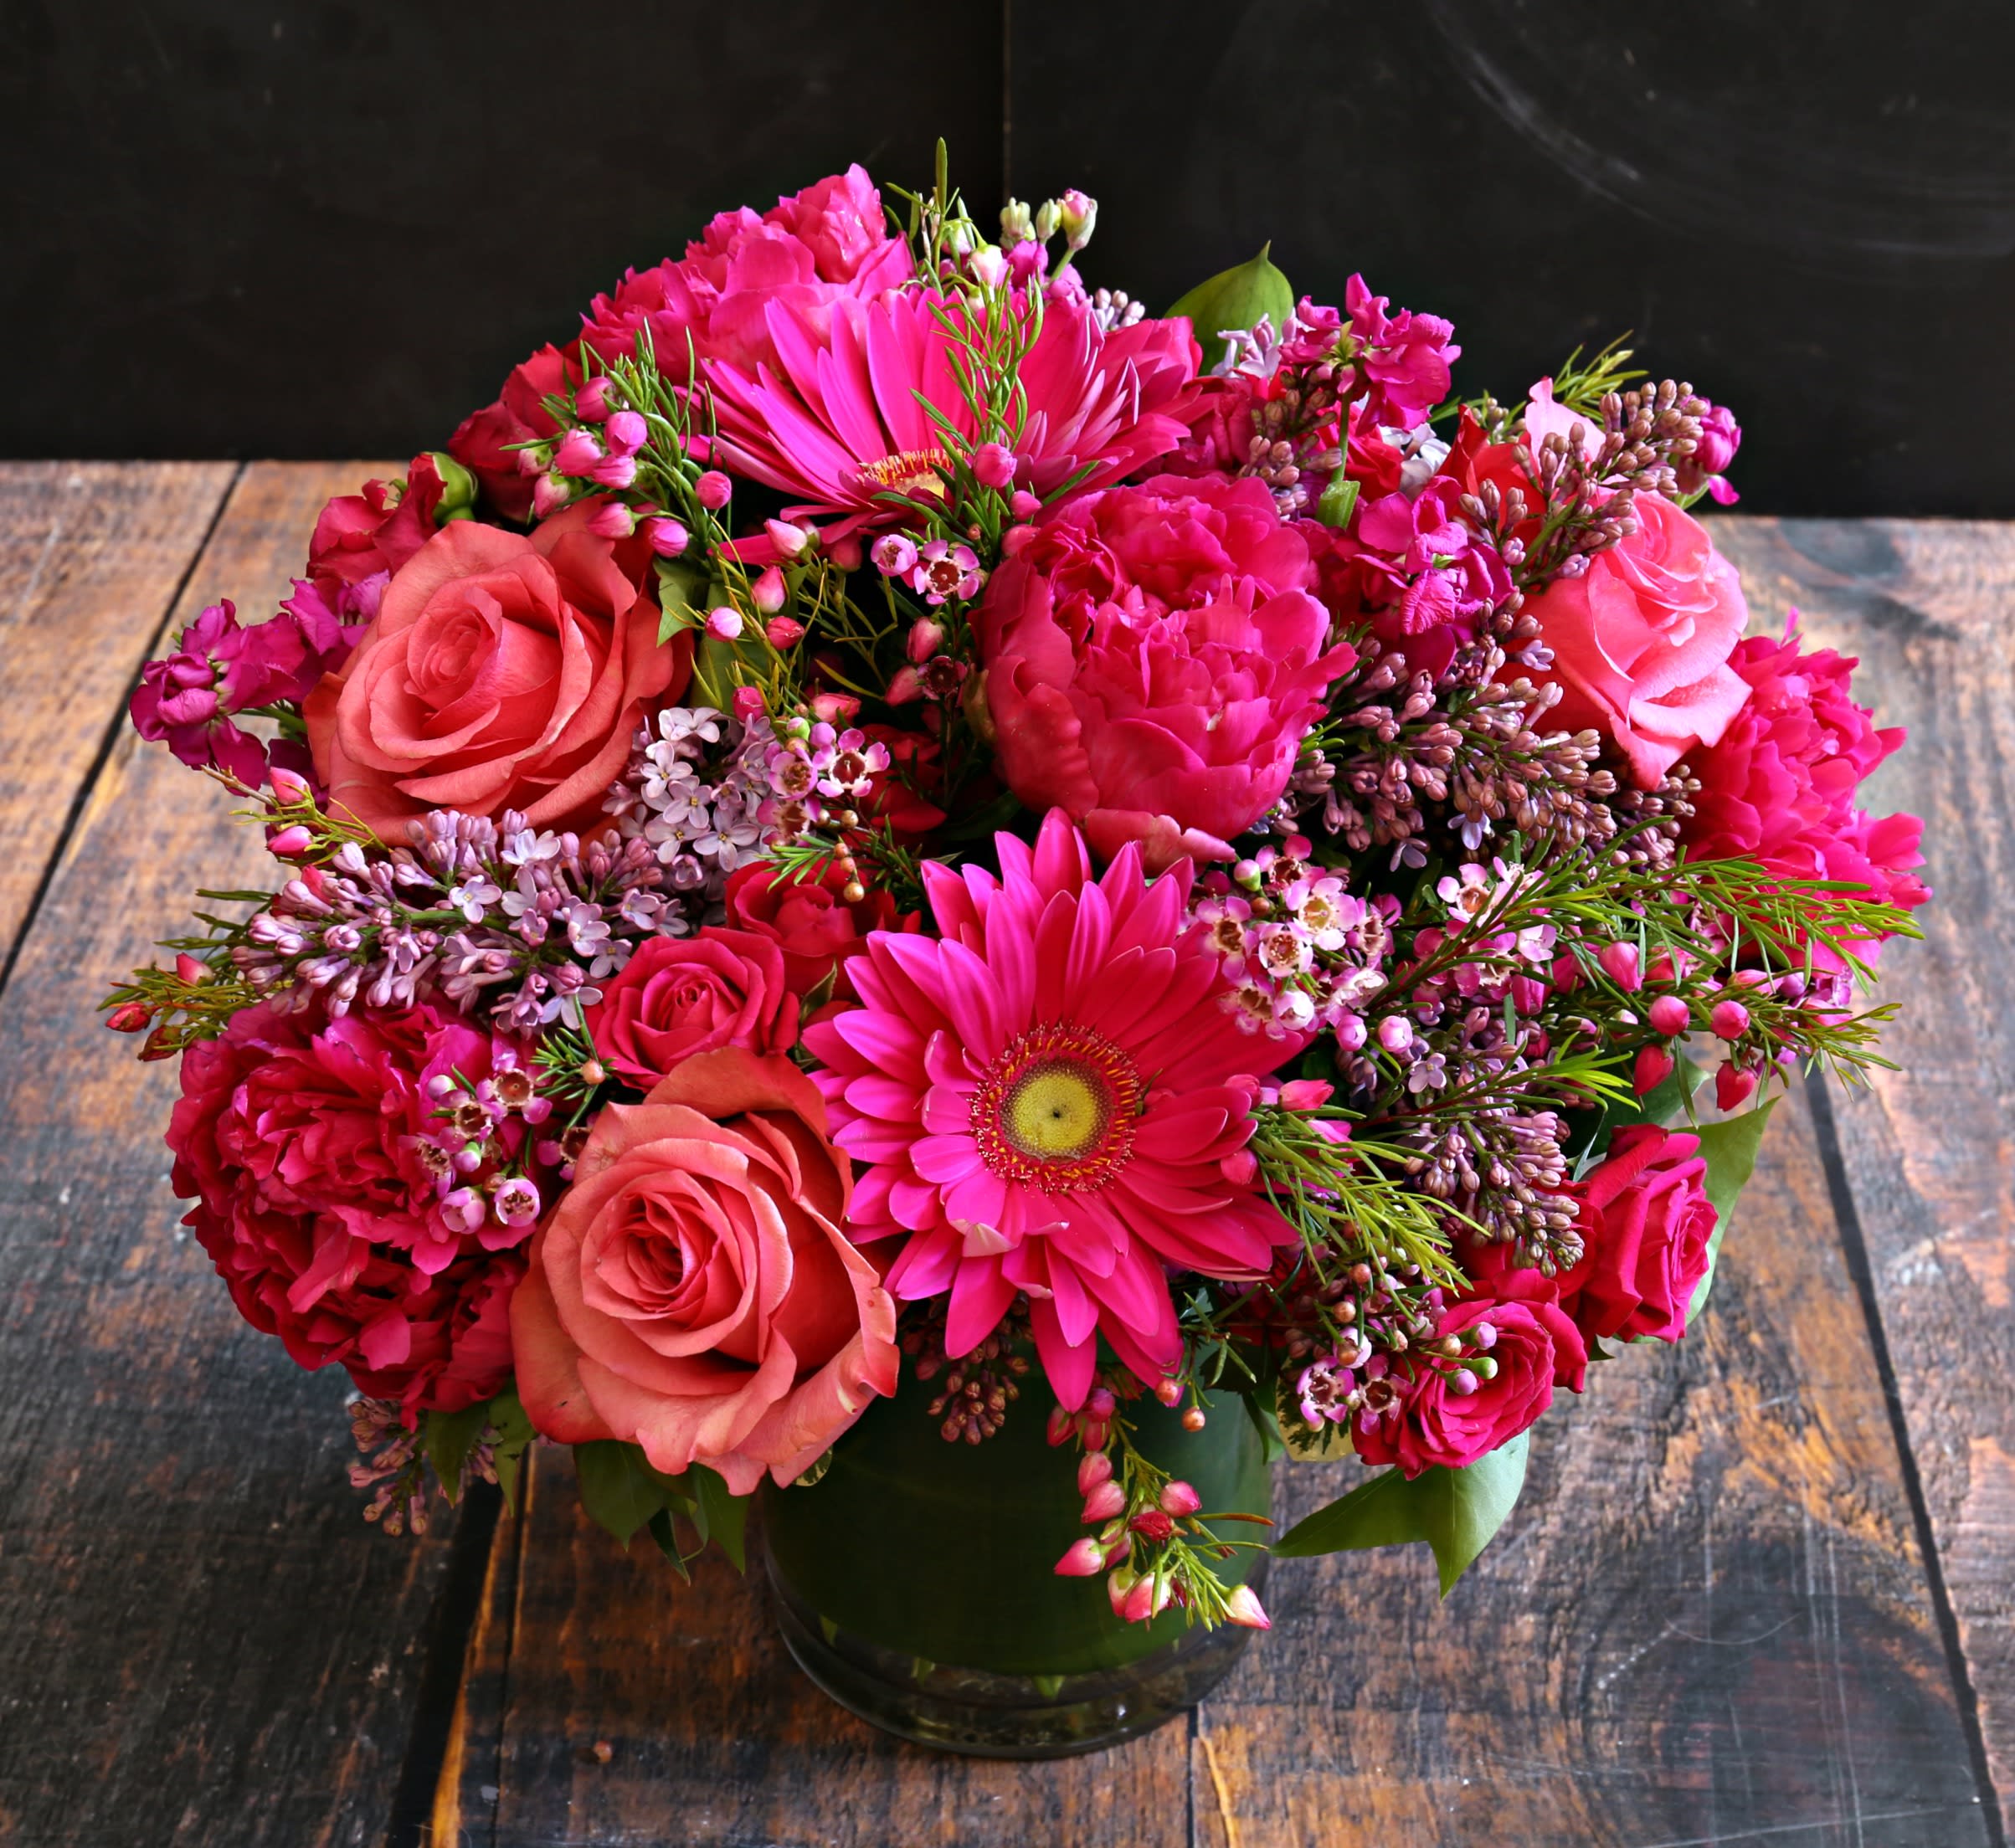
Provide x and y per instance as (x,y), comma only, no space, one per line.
(1102,1403)
(747,702)
(1670,1016)
(1244,1608)
(190,970)
(1152,1524)
(549,494)
(1653,1067)
(834,708)
(1024,505)
(1120,1582)
(905,686)
(846,553)
(1620,963)
(1730,1020)
(769,592)
(668,537)
(1060,1427)
(1306,1093)
(577,452)
(926,638)
(1015,539)
(713,491)
(1106,1499)
(1081,1560)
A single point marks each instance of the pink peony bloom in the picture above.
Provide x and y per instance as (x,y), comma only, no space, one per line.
(838,420)
(1043,1101)
(1780,785)
(1153,657)
(1641,640)
(323,1167)
(692,1292)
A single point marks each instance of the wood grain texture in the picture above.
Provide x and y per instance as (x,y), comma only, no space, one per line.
(201,1642)
(1928,1151)
(92,556)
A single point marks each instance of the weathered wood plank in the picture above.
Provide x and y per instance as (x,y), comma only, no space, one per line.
(1927,1152)
(91,555)
(1706,1621)
(201,1642)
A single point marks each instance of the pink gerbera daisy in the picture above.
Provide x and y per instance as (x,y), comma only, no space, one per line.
(1051,1098)
(842,419)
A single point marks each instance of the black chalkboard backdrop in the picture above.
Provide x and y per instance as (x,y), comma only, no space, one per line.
(329,228)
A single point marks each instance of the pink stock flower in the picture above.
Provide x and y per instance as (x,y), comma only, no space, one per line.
(1153,657)
(1041,1101)
(1779,785)
(322,1165)
(1641,641)
(838,420)
(1404,357)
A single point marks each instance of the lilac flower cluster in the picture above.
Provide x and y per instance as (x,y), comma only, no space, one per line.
(693,793)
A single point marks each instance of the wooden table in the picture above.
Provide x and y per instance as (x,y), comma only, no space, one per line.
(1757,1591)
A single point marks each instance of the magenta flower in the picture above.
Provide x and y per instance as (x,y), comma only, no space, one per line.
(840,421)
(1404,357)
(1045,1099)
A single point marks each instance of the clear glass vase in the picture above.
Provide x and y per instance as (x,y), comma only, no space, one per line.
(915,1581)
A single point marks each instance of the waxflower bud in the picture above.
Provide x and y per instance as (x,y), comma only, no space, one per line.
(1168,1392)
(614,471)
(713,491)
(130,1017)
(290,841)
(576,453)
(1179,1498)
(790,541)
(1730,1020)
(1733,1088)
(1060,1426)
(625,432)
(784,631)
(668,537)
(1105,1499)
(592,400)
(723,624)
(549,494)
(926,638)
(1153,1524)
(1193,1420)
(1244,1608)
(994,466)
(612,520)
(1082,1559)
(289,786)
(1120,1581)
(1096,1467)
(1396,1033)
(1653,1067)
(1670,1015)
(1619,962)
(769,592)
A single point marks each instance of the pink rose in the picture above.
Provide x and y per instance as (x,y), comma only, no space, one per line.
(1535,1346)
(500,672)
(1779,785)
(319,1162)
(693,1293)
(1641,641)
(815,928)
(1153,657)
(1645,1223)
(681,996)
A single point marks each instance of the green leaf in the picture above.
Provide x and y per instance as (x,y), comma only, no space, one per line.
(514,1436)
(1730,1149)
(719,667)
(662,1531)
(449,1438)
(620,1490)
(1236,298)
(1339,501)
(1258,1404)
(1456,1511)
(680,588)
(720,1516)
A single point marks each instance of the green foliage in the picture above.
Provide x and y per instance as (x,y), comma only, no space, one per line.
(1730,1149)
(1339,501)
(513,1438)
(448,1438)
(1581,386)
(1456,1511)
(1236,298)
(622,1493)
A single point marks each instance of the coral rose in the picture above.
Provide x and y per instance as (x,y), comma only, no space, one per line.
(1153,657)
(1645,1223)
(1641,640)
(693,1292)
(681,996)
(1428,1426)
(319,1162)
(500,672)
(814,926)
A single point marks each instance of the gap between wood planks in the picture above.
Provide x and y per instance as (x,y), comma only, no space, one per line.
(80,801)
(1846,1217)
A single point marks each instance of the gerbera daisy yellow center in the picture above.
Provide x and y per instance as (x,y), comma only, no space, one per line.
(1056,1111)
(920,472)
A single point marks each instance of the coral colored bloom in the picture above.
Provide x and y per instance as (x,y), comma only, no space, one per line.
(1153,659)
(1040,1100)
(692,1292)
(678,997)
(812,922)
(839,422)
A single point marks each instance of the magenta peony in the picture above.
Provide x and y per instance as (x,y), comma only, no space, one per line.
(1153,657)
(1049,1100)
(1641,640)
(326,1187)
(838,421)
(692,1292)
(1780,785)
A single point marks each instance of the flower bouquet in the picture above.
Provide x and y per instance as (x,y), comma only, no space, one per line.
(903,888)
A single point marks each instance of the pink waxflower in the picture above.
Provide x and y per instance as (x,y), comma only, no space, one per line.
(1040,1101)
(1779,785)
(943,571)
(840,418)
(1153,659)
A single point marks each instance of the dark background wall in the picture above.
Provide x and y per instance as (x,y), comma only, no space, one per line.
(320,229)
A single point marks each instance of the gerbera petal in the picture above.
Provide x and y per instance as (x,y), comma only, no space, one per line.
(980,1296)
(1069,1368)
